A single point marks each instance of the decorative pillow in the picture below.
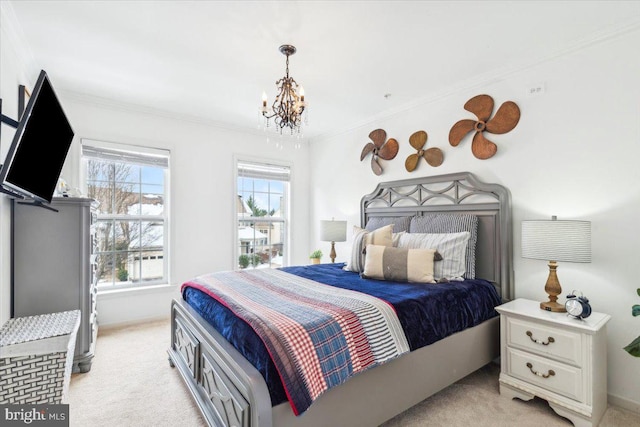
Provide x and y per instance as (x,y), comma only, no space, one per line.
(361,238)
(451,246)
(400,223)
(395,238)
(399,264)
(451,223)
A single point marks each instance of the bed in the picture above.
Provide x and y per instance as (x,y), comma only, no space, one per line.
(231,391)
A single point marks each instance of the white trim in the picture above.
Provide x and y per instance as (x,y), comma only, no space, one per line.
(624,403)
(136,322)
(166,216)
(156,112)
(118,146)
(234,214)
(107,294)
(489,77)
(10,25)
(464,86)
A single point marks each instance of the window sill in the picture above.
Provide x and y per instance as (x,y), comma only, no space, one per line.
(117,293)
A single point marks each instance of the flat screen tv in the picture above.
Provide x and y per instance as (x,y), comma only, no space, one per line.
(39,147)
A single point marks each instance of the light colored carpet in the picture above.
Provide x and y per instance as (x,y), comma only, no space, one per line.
(131,384)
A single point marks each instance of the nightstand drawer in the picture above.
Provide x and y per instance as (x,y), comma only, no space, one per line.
(548,374)
(549,342)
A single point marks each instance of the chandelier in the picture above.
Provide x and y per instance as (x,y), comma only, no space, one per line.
(286,111)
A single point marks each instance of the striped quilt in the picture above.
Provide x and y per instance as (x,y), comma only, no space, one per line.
(317,335)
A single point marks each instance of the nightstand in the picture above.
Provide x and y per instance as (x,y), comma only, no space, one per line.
(555,357)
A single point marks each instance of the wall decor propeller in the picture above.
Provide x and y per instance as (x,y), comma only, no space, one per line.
(505,119)
(380,148)
(433,156)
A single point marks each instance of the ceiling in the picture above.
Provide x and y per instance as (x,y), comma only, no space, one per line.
(210,61)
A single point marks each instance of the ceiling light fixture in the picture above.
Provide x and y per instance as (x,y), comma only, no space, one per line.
(289,104)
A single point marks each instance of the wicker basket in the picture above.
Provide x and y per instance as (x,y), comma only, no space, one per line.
(36,357)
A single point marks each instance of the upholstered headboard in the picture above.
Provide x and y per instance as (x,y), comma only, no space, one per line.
(455,193)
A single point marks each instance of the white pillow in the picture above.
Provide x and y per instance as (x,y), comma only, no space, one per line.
(451,246)
(361,238)
(451,223)
(395,238)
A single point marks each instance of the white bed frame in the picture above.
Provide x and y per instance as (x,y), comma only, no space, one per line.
(231,392)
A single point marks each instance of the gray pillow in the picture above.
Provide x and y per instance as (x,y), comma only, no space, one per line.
(400,223)
(451,223)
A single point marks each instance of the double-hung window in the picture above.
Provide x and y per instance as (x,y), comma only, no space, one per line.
(131,229)
(262,214)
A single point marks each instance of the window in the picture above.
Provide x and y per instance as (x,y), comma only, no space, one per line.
(263,215)
(131,228)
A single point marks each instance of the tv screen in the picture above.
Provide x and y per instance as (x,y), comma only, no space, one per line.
(40,146)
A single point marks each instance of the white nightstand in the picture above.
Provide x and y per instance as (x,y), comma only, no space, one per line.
(555,357)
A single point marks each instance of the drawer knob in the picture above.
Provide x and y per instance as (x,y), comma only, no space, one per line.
(537,341)
(550,373)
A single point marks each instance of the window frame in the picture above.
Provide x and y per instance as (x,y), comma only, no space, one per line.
(238,159)
(130,152)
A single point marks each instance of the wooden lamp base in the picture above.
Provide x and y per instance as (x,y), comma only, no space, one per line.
(332,255)
(553,288)
(552,306)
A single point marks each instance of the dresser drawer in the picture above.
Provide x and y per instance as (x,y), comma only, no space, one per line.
(551,375)
(556,343)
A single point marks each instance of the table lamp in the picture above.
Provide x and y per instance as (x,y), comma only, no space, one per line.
(554,240)
(333,231)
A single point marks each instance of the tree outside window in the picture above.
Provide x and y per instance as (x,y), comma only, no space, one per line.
(262,214)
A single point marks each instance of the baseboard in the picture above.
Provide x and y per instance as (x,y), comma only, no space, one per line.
(623,403)
(612,399)
(132,322)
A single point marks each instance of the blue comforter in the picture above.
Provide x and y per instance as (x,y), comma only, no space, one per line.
(427,312)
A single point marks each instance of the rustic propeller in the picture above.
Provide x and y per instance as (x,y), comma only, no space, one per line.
(505,119)
(380,148)
(433,156)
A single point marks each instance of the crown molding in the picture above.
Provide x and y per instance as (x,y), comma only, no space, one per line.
(157,112)
(11,27)
(482,80)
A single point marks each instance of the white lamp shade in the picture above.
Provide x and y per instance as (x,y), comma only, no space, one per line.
(554,240)
(333,231)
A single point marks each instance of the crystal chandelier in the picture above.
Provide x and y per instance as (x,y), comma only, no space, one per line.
(286,111)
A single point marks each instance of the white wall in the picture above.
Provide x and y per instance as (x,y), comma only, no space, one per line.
(202,187)
(573,154)
(202,194)
(13,72)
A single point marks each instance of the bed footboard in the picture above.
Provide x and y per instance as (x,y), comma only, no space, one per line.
(228,389)
(231,392)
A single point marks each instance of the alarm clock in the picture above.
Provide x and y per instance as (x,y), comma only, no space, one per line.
(577,306)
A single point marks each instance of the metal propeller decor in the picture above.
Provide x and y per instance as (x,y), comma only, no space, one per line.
(433,156)
(380,148)
(505,119)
